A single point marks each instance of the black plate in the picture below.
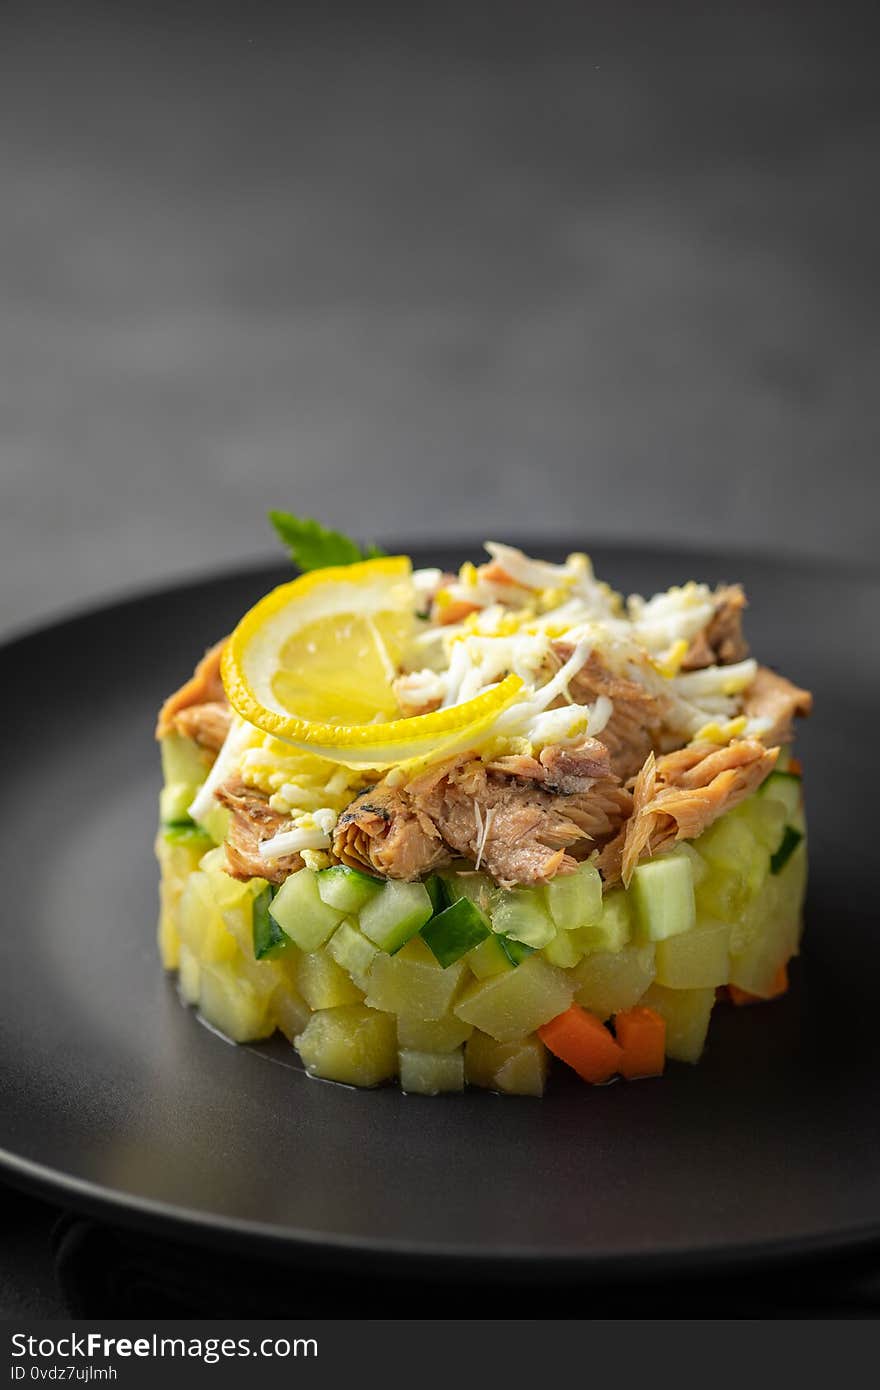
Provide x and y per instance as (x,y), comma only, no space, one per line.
(114,1096)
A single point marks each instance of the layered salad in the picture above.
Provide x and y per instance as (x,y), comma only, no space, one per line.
(449,829)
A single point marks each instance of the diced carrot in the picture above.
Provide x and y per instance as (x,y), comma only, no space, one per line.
(496,574)
(582,1040)
(796,766)
(721,994)
(455,610)
(641,1034)
(778,987)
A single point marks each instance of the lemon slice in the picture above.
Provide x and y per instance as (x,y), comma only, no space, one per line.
(312,663)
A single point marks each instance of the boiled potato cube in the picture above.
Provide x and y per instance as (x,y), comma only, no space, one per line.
(687,1013)
(324,984)
(412,983)
(169,937)
(429,1073)
(613,929)
(201,925)
(517,1068)
(610,981)
(229,1002)
(511,1005)
(289,1011)
(188,978)
(698,959)
(352,1043)
(524,1073)
(432,1035)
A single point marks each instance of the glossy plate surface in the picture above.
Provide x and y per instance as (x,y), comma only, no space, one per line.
(113,1096)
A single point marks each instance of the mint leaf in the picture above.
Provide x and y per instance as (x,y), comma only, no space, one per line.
(314,546)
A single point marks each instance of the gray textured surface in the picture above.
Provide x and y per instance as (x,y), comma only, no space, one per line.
(426,274)
(437,275)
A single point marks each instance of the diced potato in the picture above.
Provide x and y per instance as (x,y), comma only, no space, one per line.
(352,1043)
(698,959)
(169,938)
(429,1073)
(353,952)
(188,979)
(610,981)
(432,1035)
(511,1005)
(768,934)
(324,984)
(201,925)
(613,929)
(687,1013)
(412,983)
(517,1068)
(524,1073)
(290,1012)
(230,1002)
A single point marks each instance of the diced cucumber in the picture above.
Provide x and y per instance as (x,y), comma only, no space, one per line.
(186,833)
(790,840)
(765,816)
(353,952)
(440,898)
(346,889)
(614,928)
(175,799)
(183,760)
(454,931)
(395,914)
(575,900)
(785,787)
(429,1073)
(663,897)
(300,913)
(468,883)
(730,844)
(565,950)
(522,915)
(516,951)
(489,958)
(269,940)
(699,867)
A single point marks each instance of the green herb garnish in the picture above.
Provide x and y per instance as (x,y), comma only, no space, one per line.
(313,546)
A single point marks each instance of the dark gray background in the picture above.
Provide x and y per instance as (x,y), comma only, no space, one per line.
(603,268)
(469,269)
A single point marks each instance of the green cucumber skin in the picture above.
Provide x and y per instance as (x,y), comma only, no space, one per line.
(346,889)
(450,934)
(268,938)
(516,951)
(790,841)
